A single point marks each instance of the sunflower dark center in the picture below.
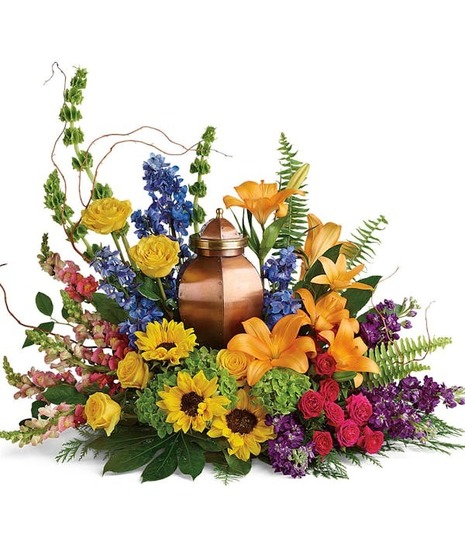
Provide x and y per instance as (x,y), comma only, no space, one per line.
(189,403)
(241,421)
(167,345)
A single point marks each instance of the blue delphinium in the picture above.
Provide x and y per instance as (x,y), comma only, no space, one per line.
(278,299)
(119,282)
(277,305)
(169,213)
(279,270)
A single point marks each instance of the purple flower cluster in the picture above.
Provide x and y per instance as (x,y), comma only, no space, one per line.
(278,304)
(287,452)
(383,324)
(399,408)
(119,283)
(169,213)
(279,270)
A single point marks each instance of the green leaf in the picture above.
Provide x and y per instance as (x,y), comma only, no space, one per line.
(36,405)
(44,304)
(164,464)
(344,376)
(270,234)
(64,393)
(207,443)
(237,466)
(357,298)
(122,438)
(133,457)
(45,326)
(191,458)
(109,309)
(148,289)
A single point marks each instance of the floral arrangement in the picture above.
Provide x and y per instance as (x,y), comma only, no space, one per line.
(324,377)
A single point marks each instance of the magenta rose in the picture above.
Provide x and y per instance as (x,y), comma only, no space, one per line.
(329,389)
(323,442)
(371,440)
(334,413)
(359,409)
(324,364)
(311,404)
(348,433)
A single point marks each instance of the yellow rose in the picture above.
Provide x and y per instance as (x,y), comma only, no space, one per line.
(106,215)
(102,412)
(156,255)
(235,362)
(132,371)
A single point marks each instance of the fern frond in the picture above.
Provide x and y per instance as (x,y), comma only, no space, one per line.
(361,247)
(401,358)
(295,227)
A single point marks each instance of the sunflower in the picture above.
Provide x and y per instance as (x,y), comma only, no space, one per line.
(165,341)
(244,427)
(192,402)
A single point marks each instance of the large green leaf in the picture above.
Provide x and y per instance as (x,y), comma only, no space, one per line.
(133,457)
(123,438)
(191,457)
(109,309)
(44,304)
(237,466)
(270,234)
(357,298)
(163,465)
(64,393)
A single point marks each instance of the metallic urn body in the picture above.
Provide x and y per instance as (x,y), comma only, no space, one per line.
(219,288)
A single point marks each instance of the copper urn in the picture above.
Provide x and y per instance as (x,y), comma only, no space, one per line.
(219,288)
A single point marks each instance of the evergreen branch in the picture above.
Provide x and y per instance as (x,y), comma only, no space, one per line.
(329,467)
(78,447)
(401,358)
(361,247)
(225,474)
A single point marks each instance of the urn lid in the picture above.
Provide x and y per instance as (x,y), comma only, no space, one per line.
(218,237)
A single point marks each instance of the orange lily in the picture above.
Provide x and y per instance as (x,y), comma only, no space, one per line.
(261,199)
(348,350)
(280,347)
(320,238)
(328,311)
(337,276)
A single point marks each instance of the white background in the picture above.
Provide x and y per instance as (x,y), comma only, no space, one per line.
(372,95)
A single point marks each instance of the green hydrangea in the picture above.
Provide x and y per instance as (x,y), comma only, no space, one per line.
(148,411)
(280,389)
(205,359)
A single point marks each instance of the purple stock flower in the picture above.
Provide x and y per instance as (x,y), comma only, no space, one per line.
(400,408)
(287,452)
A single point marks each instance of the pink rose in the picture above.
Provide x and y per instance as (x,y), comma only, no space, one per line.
(371,440)
(348,433)
(359,409)
(329,389)
(334,414)
(323,442)
(325,365)
(311,404)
